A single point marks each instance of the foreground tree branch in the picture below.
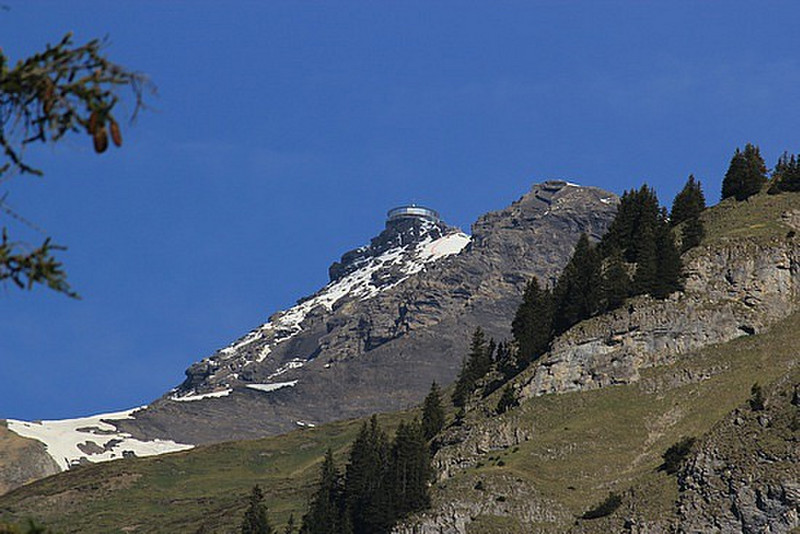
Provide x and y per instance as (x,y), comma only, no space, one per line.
(65,89)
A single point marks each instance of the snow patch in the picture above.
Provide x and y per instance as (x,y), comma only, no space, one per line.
(444,246)
(99,439)
(200,396)
(305,424)
(272,387)
(607,200)
(291,364)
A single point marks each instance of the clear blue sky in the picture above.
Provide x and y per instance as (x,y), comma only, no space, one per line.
(283,131)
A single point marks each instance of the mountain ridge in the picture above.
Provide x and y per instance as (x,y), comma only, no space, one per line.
(396,315)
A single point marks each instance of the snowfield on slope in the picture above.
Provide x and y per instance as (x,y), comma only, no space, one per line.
(71,441)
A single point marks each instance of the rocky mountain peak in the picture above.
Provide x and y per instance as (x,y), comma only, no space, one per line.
(406,226)
(396,314)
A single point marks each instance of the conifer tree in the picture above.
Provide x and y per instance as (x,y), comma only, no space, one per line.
(689,203)
(746,174)
(644,281)
(668,264)
(692,233)
(255,517)
(532,326)
(475,367)
(616,282)
(367,494)
(786,176)
(410,469)
(432,413)
(325,513)
(636,210)
(578,291)
(506,362)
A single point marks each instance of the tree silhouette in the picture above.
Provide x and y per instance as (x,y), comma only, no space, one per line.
(746,174)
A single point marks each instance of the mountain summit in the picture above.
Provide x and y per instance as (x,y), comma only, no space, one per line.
(396,315)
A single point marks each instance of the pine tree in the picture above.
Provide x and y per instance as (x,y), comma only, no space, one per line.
(689,203)
(474,367)
(578,291)
(636,210)
(325,513)
(644,281)
(432,413)
(746,174)
(532,326)
(668,264)
(410,469)
(255,517)
(616,282)
(366,492)
(506,362)
(692,233)
(786,176)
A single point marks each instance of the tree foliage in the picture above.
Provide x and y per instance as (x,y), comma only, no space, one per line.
(688,203)
(65,89)
(383,483)
(476,365)
(367,492)
(616,281)
(410,470)
(532,326)
(668,263)
(641,233)
(786,175)
(746,174)
(255,519)
(757,401)
(433,416)
(637,213)
(326,511)
(578,291)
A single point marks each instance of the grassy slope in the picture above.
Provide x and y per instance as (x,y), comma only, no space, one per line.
(178,492)
(587,444)
(584,444)
(759,218)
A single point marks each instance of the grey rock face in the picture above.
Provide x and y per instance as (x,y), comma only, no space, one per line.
(397,315)
(731,291)
(745,477)
(23,460)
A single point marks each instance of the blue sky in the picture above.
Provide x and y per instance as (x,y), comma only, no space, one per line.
(283,131)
